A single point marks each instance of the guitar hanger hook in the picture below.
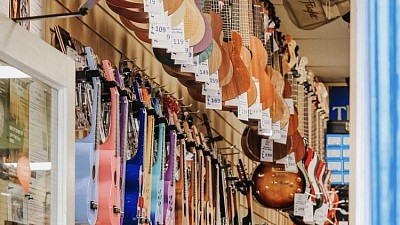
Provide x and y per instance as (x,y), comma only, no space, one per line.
(186,106)
(226,148)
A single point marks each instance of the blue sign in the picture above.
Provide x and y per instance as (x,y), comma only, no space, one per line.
(339,103)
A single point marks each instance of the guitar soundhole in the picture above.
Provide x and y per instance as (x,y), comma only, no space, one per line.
(93,172)
(115,178)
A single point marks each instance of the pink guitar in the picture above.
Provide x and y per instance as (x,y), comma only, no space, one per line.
(109,171)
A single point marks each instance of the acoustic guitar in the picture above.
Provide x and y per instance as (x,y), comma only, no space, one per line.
(109,171)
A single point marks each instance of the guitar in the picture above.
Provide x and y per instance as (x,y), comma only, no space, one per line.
(109,171)
(157,191)
(169,181)
(201,179)
(87,155)
(124,93)
(245,187)
(133,182)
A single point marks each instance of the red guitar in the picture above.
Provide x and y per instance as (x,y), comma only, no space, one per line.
(109,171)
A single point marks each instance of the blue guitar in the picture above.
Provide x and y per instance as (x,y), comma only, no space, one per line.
(86,149)
(133,182)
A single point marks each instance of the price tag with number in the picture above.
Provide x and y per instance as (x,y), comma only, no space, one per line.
(284,132)
(309,212)
(267,153)
(202,74)
(158,17)
(276,131)
(213,102)
(243,108)
(300,200)
(178,38)
(160,43)
(184,57)
(191,68)
(212,92)
(289,102)
(160,31)
(153,6)
(213,84)
(256,108)
(232,102)
(321,214)
(290,164)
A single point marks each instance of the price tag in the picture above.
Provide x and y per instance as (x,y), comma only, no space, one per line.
(308,212)
(321,214)
(178,39)
(188,155)
(160,43)
(207,91)
(284,132)
(213,102)
(343,223)
(158,17)
(267,153)
(202,74)
(154,6)
(276,131)
(232,102)
(265,124)
(243,109)
(299,204)
(214,82)
(290,164)
(191,68)
(160,31)
(256,108)
(186,57)
(284,160)
(289,102)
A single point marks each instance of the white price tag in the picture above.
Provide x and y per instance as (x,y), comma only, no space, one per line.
(212,92)
(213,102)
(256,108)
(276,131)
(299,204)
(178,39)
(202,74)
(308,212)
(243,108)
(160,43)
(154,6)
(160,31)
(267,153)
(185,58)
(232,102)
(289,102)
(284,132)
(290,164)
(191,68)
(158,17)
(343,223)
(284,160)
(321,214)
(213,84)
(267,131)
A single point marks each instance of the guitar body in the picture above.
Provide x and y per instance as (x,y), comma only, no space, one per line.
(141,32)
(87,167)
(240,81)
(169,182)
(133,174)
(109,171)
(176,12)
(147,167)
(157,191)
(225,71)
(275,188)
(206,39)
(194,25)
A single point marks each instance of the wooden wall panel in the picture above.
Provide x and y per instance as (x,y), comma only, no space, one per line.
(102,30)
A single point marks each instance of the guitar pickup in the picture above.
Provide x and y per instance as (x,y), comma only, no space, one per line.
(116,209)
(93,205)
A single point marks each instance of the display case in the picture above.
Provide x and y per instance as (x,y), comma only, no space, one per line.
(36,130)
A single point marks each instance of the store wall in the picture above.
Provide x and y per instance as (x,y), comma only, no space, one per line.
(102,30)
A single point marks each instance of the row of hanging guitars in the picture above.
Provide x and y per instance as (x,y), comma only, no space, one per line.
(140,158)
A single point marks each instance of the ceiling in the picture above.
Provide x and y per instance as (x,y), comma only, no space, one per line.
(327,47)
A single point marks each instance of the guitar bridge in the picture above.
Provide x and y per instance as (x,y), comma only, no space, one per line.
(93,205)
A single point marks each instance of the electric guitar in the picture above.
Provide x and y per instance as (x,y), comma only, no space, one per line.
(133,182)
(245,187)
(86,150)
(109,171)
